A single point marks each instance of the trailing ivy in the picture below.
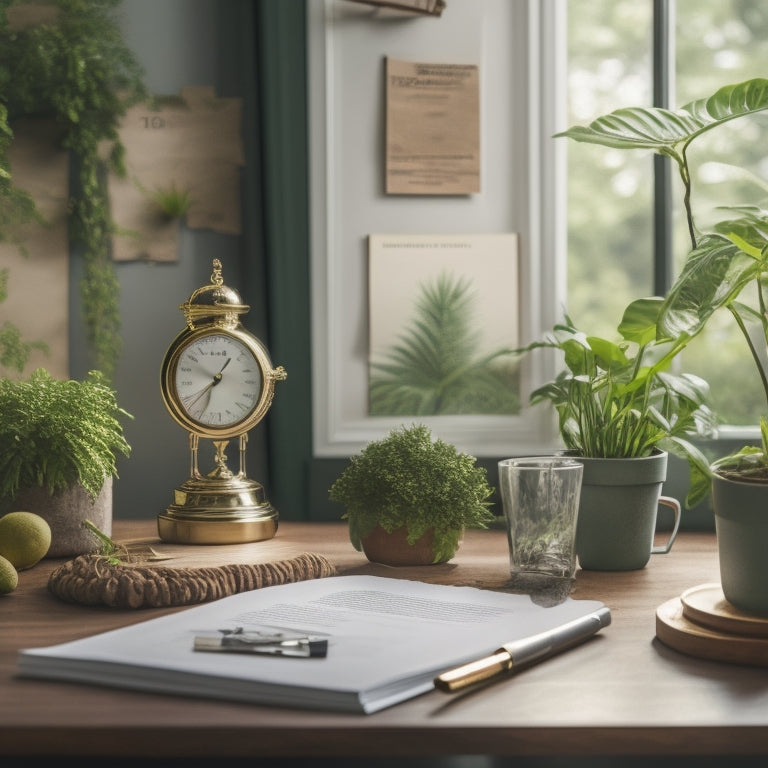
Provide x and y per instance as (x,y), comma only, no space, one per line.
(14,350)
(16,209)
(16,206)
(75,67)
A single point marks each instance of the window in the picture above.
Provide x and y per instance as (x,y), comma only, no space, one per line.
(611,62)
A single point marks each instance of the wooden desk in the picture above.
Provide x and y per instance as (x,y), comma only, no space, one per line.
(622,693)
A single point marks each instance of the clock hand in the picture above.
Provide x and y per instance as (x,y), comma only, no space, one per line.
(216,379)
(226,363)
(190,401)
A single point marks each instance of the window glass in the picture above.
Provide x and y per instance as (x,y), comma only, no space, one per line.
(610,215)
(610,192)
(720,42)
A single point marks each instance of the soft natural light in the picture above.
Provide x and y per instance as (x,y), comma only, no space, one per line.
(610,201)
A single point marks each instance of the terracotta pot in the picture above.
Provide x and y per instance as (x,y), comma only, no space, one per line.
(65,512)
(394,549)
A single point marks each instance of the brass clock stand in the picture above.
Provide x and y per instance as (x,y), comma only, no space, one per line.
(217,382)
(220,507)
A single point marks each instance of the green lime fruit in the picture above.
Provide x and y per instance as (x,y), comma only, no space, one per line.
(24,538)
(9,579)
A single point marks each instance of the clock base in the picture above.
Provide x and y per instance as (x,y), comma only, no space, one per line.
(218,511)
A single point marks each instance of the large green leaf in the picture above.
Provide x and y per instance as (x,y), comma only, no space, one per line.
(713,276)
(749,231)
(666,131)
(609,356)
(686,386)
(698,465)
(638,323)
(578,357)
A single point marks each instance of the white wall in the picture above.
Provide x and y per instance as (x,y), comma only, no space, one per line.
(508,40)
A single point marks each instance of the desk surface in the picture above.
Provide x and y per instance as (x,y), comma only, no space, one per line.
(621,693)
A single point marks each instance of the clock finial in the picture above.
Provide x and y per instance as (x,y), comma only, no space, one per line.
(214,304)
(216,278)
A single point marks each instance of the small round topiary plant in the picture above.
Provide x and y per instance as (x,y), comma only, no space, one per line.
(409,480)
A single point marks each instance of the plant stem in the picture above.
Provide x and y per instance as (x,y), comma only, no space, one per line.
(685,175)
(753,351)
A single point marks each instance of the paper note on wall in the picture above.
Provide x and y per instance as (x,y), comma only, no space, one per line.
(190,145)
(433,128)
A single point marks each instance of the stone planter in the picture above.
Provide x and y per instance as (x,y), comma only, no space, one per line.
(65,512)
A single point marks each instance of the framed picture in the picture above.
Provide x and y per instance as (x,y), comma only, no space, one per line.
(443,319)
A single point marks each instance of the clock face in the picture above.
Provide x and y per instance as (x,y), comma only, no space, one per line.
(218,380)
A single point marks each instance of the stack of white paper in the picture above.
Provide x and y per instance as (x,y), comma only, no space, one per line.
(388,638)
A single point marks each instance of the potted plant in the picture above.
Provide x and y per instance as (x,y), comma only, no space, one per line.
(720,266)
(620,412)
(59,439)
(408,498)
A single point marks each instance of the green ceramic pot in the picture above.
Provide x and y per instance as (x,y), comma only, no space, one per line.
(741,521)
(618,510)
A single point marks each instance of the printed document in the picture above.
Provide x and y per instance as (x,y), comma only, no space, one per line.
(433,128)
(387,640)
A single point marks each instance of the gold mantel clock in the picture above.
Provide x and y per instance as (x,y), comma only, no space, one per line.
(218,383)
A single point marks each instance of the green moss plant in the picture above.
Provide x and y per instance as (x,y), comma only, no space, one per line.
(407,479)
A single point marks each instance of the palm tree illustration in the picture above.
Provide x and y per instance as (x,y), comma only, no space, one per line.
(434,368)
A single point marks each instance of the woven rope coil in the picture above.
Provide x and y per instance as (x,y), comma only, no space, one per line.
(91,580)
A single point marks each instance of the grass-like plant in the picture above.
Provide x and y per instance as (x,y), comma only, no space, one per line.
(409,480)
(55,433)
(619,399)
(172,201)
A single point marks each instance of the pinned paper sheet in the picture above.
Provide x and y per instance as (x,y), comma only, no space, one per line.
(433,128)
(192,145)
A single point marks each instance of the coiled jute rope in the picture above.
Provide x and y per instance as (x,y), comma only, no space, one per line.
(93,580)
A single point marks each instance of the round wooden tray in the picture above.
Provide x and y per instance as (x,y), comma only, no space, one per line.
(702,623)
(706,605)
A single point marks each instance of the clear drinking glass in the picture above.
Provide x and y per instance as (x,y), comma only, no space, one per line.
(540,497)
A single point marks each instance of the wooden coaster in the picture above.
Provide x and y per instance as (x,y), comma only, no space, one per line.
(706,605)
(677,631)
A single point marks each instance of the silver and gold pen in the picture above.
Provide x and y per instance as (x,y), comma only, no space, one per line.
(524,652)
